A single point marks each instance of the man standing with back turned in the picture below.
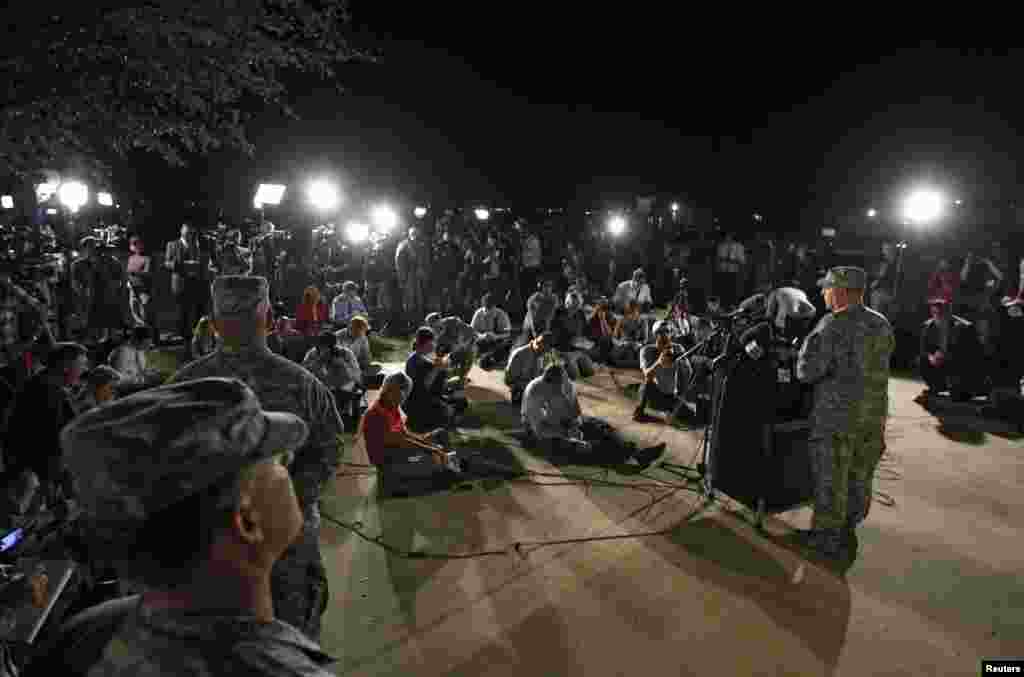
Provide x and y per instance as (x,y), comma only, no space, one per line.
(241,314)
(846,357)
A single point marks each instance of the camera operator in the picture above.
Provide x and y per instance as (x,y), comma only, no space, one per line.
(525,364)
(951,356)
(667,376)
(202,532)
(846,357)
(457,340)
(337,368)
(552,415)
(429,405)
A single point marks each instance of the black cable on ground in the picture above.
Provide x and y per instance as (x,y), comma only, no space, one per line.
(516,548)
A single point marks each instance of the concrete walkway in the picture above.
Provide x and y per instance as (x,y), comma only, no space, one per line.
(935,590)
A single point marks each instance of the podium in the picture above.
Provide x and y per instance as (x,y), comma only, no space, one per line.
(757,448)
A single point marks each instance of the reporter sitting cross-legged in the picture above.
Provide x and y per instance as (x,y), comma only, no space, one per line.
(397,452)
(187,490)
(667,376)
(553,418)
(525,364)
(493,333)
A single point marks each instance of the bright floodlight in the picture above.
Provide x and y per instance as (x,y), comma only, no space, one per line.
(323,195)
(357,232)
(73,195)
(7,201)
(482,214)
(872,213)
(51,211)
(675,206)
(923,206)
(44,191)
(420,212)
(384,218)
(617,225)
(105,199)
(269,194)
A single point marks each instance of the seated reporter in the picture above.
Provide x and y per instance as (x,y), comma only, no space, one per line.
(493,333)
(455,339)
(390,445)
(952,356)
(431,403)
(629,337)
(525,364)
(600,329)
(569,329)
(347,305)
(129,359)
(667,375)
(337,368)
(356,339)
(552,415)
(187,489)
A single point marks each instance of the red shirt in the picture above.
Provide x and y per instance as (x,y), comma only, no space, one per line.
(942,285)
(308,318)
(378,421)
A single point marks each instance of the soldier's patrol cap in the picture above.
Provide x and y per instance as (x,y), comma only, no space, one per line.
(239,294)
(144,453)
(844,277)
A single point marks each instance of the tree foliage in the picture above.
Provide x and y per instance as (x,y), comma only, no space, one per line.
(92,80)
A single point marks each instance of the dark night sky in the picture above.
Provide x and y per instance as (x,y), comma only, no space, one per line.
(543,109)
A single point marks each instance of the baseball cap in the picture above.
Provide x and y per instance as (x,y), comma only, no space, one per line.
(239,294)
(661,327)
(142,454)
(844,277)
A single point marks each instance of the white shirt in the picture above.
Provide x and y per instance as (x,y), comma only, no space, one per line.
(494,321)
(549,411)
(130,362)
(629,291)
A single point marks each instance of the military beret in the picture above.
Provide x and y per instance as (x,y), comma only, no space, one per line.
(239,294)
(146,452)
(844,277)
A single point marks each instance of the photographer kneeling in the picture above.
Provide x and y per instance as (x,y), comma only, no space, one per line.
(188,485)
(667,377)
(552,415)
(337,368)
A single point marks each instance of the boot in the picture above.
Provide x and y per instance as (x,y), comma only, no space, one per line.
(650,455)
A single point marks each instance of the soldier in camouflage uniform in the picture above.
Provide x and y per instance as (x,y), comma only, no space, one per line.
(846,357)
(241,315)
(186,488)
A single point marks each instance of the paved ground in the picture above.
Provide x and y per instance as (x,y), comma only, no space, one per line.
(934,591)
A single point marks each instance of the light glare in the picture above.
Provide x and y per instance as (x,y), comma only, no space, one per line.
(73,195)
(420,212)
(617,225)
(7,201)
(923,206)
(482,214)
(269,194)
(44,191)
(323,195)
(105,199)
(872,213)
(357,232)
(384,218)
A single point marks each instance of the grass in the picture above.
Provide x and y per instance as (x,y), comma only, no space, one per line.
(389,348)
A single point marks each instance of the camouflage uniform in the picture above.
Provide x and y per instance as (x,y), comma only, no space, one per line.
(128,457)
(299,578)
(846,357)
